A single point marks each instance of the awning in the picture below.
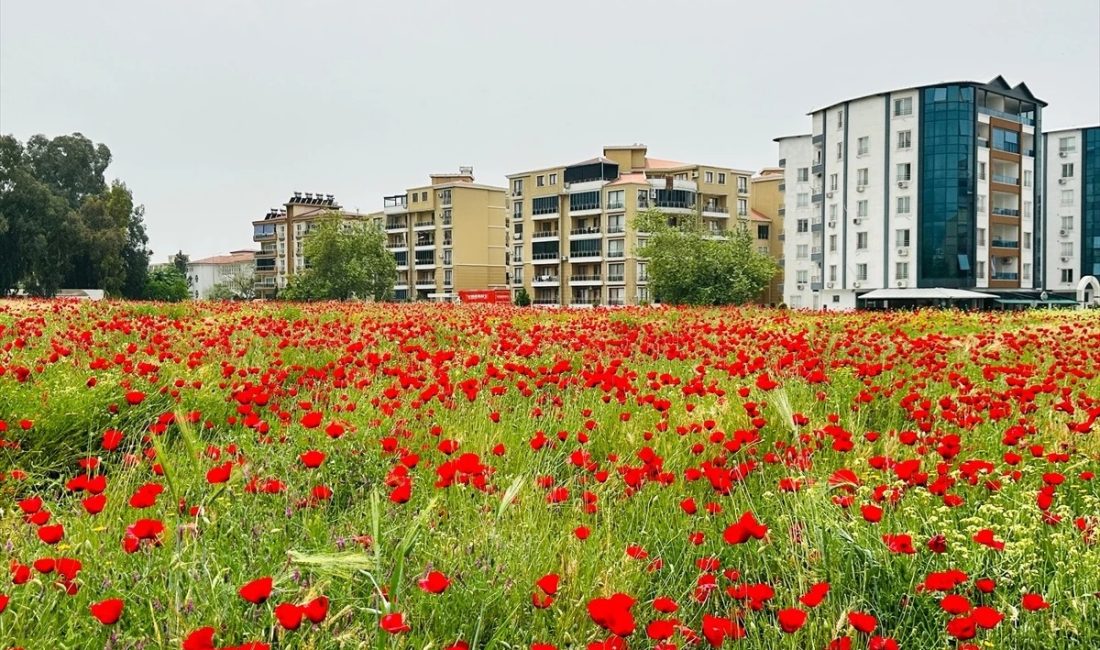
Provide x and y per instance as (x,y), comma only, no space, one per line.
(1024,301)
(936,293)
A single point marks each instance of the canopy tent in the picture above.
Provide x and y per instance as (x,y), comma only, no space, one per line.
(924,294)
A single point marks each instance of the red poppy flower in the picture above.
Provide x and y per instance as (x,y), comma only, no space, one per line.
(257,591)
(863,622)
(791,619)
(1034,602)
(316,610)
(394,623)
(289,615)
(985,537)
(107,611)
(51,534)
(200,639)
(135,397)
(434,582)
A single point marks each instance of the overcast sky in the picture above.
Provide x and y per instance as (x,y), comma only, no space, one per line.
(216,111)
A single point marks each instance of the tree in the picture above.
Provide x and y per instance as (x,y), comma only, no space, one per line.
(237,286)
(166,284)
(686,266)
(523,299)
(346,259)
(180,260)
(135,256)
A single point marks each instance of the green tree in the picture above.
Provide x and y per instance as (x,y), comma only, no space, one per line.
(345,259)
(237,286)
(166,284)
(135,256)
(523,299)
(180,260)
(689,267)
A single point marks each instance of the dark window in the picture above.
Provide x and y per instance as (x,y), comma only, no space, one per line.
(584,200)
(1090,203)
(544,205)
(762,232)
(1006,140)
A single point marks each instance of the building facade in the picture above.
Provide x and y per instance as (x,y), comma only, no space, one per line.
(571,240)
(204,273)
(925,187)
(1072,180)
(281,233)
(447,236)
(766,213)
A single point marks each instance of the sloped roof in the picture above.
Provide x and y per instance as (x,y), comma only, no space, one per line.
(626,179)
(237,257)
(658,163)
(759,216)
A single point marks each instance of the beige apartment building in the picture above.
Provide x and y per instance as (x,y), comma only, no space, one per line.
(280,234)
(447,236)
(766,208)
(572,244)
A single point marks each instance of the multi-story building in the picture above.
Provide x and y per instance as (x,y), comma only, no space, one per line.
(447,236)
(924,187)
(1072,180)
(205,273)
(571,241)
(766,215)
(281,233)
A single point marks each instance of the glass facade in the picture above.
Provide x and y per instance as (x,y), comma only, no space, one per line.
(948,155)
(1090,203)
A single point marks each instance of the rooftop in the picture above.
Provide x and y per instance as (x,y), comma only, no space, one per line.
(997,84)
(235,257)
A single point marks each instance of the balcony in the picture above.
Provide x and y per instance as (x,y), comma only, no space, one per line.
(590,232)
(1006,212)
(545,258)
(715,233)
(983,143)
(1004,243)
(1012,117)
(584,301)
(1004,275)
(585,279)
(397,246)
(394,225)
(616,279)
(265,254)
(545,302)
(616,205)
(264,283)
(615,302)
(396,204)
(643,278)
(614,255)
(424,224)
(425,283)
(675,206)
(1008,147)
(1006,180)
(715,211)
(615,229)
(548,280)
(545,234)
(265,268)
(263,233)
(585,254)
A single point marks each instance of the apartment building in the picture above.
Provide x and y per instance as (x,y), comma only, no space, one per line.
(571,240)
(766,215)
(280,234)
(1072,178)
(924,187)
(203,274)
(447,236)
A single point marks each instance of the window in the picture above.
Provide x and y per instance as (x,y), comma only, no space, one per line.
(643,272)
(981,203)
(1005,140)
(743,184)
(902,237)
(1027,272)
(901,270)
(1027,209)
(836,298)
(721,178)
(1067,249)
(709,177)
(1067,170)
(615,248)
(615,223)
(517,187)
(517,253)
(1027,240)
(643,295)
(840,151)
(553,179)
(862,176)
(981,270)
(1027,178)
(517,275)
(861,241)
(903,106)
(448,277)
(861,208)
(904,171)
(803,225)
(905,139)
(795,302)
(903,205)
(1067,275)
(803,174)
(1067,222)
(802,277)
(832,273)
(615,199)
(861,272)
(832,243)
(540,180)
(762,231)
(803,199)
(1067,197)
(832,212)
(415,197)
(981,170)
(1067,144)
(424,196)
(615,272)
(863,146)
(981,237)
(517,210)
(832,182)
(742,207)
(802,251)
(840,119)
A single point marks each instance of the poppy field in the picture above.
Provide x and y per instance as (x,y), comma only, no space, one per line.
(227,476)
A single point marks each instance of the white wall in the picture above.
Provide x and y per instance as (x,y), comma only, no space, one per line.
(1052,192)
(798,152)
(203,277)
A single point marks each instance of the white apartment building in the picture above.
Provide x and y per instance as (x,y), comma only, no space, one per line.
(203,274)
(924,187)
(1072,207)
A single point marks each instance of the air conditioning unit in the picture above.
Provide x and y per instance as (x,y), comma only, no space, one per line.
(857,221)
(829,285)
(801,287)
(859,188)
(855,285)
(566,185)
(903,251)
(832,224)
(1065,259)
(829,194)
(903,184)
(1063,181)
(564,258)
(1063,232)
(695,174)
(1063,154)
(439,195)
(901,283)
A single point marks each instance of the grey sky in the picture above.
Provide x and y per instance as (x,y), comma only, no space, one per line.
(216,111)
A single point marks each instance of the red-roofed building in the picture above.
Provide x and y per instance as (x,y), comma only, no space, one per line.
(203,274)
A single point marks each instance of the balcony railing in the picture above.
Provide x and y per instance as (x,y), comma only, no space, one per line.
(616,229)
(721,209)
(1022,119)
(1010,147)
(393,245)
(1004,276)
(614,254)
(1005,243)
(615,302)
(424,222)
(585,253)
(544,301)
(616,278)
(686,205)
(1006,212)
(545,256)
(615,205)
(544,234)
(591,230)
(547,278)
(1006,180)
(391,225)
(584,278)
(584,300)
(983,143)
